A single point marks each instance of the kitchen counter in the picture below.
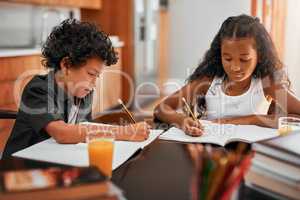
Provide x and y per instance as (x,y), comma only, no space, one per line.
(13,52)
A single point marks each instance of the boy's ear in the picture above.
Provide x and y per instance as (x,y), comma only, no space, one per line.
(64,65)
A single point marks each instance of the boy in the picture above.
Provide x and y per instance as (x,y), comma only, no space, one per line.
(52,105)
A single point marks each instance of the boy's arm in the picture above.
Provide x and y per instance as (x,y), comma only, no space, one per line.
(74,133)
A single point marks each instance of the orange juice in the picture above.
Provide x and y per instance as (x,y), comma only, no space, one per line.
(101,155)
(288,124)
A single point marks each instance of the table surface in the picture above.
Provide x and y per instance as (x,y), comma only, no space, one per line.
(163,170)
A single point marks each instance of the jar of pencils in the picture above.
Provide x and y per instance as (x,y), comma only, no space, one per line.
(217,172)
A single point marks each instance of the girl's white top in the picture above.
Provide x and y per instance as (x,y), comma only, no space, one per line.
(220,105)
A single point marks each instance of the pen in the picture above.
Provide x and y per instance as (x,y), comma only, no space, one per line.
(126,110)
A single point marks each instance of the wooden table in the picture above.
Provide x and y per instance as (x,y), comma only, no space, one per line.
(162,171)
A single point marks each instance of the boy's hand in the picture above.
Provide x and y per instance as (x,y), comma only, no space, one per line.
(134,132)
(192,127)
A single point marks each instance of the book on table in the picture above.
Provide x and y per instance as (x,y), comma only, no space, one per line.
(276,166)
(286,148)
(56,183)
(64,153)
(222,134)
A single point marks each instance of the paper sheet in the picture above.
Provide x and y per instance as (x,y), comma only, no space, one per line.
(77,155)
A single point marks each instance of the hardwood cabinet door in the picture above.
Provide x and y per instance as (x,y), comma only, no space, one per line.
(16,72)
(272,14)
(91,4)
(108,90)
(108,87)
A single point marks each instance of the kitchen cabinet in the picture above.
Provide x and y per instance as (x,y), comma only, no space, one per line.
(15,74)
(108,88)
(116,18)
(90,4)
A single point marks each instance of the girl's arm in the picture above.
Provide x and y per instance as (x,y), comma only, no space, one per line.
(287,105)
(270,120)
(166,110)
(259,120)
(74,133)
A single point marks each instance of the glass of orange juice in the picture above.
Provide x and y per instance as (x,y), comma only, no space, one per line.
(100,150)
(288,124)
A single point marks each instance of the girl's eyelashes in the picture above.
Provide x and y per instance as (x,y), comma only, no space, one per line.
(242,60)
(228,59)
(245,60)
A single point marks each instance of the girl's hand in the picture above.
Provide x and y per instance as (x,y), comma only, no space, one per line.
(192,127)
(134,132)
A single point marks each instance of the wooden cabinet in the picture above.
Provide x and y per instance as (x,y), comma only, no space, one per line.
(163,59)
(15,74)
(90,4)
(108,88)
(116,18)
(273,16)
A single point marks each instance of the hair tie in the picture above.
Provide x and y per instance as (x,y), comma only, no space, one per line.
(256,19)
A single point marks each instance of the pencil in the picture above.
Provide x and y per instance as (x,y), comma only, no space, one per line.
(126,110)
(189,109)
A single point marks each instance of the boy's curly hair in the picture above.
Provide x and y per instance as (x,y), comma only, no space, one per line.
(77,41)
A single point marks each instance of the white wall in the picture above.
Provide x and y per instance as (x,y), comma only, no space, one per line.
(21,24)
(292,44)
(194,23)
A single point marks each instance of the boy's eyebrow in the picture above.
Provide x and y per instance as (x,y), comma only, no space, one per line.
(244,54)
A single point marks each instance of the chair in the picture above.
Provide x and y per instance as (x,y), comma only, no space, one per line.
(8,114)
(117,118)
(7,120)
(121,118)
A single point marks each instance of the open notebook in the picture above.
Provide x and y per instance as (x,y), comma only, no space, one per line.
(77,155)
(222,134)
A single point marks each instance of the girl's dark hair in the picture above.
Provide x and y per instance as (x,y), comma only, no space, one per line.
(77,41)
(240,27)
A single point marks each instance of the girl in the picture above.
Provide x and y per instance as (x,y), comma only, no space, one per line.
(239,77)
(52,105)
